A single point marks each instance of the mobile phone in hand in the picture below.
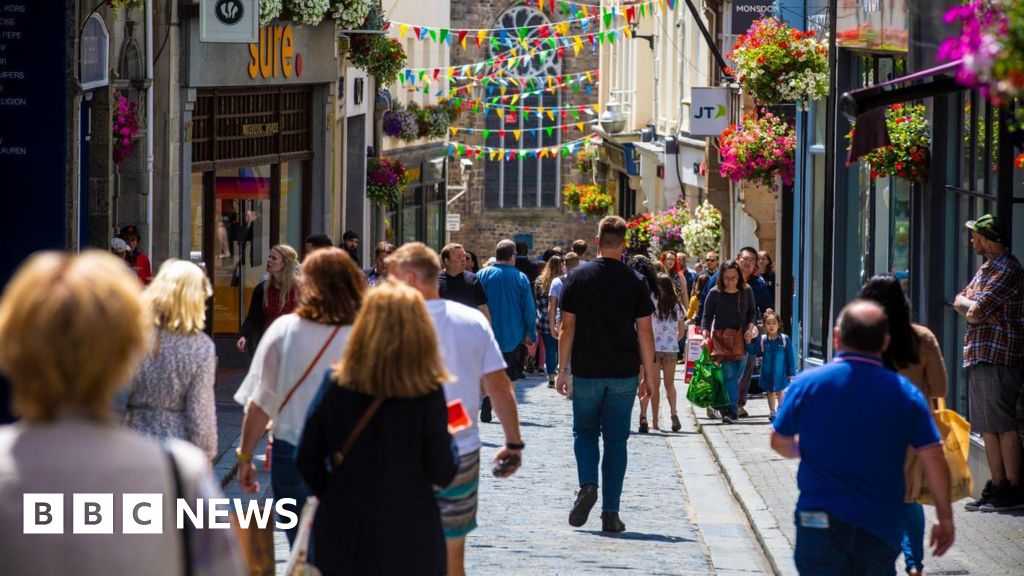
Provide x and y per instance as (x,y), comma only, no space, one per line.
(503,465)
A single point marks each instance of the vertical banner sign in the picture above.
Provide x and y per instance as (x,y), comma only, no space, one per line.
(33,108)
(744,12)
(709,111)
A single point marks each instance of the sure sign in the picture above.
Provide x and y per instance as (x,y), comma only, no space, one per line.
(275,55)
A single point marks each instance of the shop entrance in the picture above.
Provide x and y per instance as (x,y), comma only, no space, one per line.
(251,152)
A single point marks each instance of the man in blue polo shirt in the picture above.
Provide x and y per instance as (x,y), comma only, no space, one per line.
(850,423)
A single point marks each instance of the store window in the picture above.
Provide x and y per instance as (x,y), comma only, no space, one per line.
(814,313)
(291,205)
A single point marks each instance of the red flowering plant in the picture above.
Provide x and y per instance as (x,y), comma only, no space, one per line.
(776,63)
(386,179)
(125,127)
(908,154)
(990,48)
(638,234)
(666,228)
(760,148)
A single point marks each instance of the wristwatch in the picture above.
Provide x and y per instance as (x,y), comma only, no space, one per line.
(514,446)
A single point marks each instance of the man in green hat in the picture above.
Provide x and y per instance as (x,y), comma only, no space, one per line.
(993,304)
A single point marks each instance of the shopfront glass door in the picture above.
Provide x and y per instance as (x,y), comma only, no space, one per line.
(242,241)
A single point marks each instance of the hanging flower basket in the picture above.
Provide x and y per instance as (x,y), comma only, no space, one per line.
(381,57)
(908,155)
(125,128)
(270,10)
(776,63)
(351,14)
(588,199)
(638,234)
(703,233)
(991,49)
(759,149)
(666,228)
(386,179)
(586,158)
(415,122)
(126,4)
(308,12)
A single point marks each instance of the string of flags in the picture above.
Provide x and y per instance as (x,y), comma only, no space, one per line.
(456,150)
(526,85)
(573,8)
(509,111)
(547,130)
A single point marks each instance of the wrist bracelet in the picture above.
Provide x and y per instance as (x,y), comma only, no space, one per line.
(515,446)
(242,456)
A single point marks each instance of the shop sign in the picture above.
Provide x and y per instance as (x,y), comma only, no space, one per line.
(279,54)
(745,12)
(453,223)
(709,111)
(229,21)
(95,50)
(264,129)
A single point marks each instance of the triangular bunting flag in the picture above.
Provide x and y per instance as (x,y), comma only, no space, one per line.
(433,34)
(444,35)
(462,39)
(549,130)
(516,133)
(403,29)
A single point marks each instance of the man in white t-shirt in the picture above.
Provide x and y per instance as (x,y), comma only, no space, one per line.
(471,353)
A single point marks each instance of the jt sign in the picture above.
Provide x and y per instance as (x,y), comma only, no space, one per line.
(709,111)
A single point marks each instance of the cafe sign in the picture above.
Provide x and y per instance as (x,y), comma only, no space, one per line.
(281,54)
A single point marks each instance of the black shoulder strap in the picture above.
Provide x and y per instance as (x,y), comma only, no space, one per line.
(179,492)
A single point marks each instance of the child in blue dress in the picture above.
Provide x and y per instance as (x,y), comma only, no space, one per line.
(778,365)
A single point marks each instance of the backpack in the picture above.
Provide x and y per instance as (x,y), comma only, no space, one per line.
(785,342)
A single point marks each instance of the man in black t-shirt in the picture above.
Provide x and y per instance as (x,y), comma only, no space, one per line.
(607,334)
(458,284)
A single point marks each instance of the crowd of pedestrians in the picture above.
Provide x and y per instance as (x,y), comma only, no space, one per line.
(370,385)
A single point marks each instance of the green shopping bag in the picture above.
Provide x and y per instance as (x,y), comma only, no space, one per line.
(706,388)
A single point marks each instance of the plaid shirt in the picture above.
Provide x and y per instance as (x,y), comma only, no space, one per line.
(543,326)
(998,290)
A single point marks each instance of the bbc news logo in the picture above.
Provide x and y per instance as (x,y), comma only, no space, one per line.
(44,513)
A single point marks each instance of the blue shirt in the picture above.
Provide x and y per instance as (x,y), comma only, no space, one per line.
(855,419)
(762,295)
(510,300)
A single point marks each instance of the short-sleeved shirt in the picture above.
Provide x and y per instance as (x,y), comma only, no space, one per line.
(607,299)
(464,288)
(665,331)
(468,350)
(855,419)
(557,285)
(998,288)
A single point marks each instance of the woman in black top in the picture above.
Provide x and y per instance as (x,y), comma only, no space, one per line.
(730,306)
(378,513)
(766,268)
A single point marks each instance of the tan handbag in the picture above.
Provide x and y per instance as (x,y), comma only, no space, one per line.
(956,443)
(257,547)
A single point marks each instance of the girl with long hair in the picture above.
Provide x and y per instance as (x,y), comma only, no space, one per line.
(669,325)
(378,513)
(541,292)
(913,352)
(273,297)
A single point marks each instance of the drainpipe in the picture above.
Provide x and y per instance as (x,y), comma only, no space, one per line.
(149,126)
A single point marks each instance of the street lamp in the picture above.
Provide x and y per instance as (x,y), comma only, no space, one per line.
(612,120)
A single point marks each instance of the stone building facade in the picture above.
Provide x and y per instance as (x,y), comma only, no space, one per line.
(520,198)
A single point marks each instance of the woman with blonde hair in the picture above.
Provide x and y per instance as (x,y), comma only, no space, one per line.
(273,297)
(172,391)
(289,365)
(542,294)
(72,328)
(378,513)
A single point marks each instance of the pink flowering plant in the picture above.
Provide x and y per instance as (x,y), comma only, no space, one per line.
(386,179)
(759,149)
(776,63)
(666,228)
(125,127)
(990,48)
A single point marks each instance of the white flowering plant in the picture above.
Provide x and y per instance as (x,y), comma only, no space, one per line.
(309,12)
(270,10)
(776,63)
(351,14)
(703,232)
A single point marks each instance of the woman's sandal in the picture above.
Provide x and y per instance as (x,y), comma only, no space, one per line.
(676,425)
(643,425)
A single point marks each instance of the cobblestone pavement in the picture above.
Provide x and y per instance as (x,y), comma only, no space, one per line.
(524,520)
(765,484)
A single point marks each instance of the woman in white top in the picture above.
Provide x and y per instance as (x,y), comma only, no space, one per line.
(669,327)
(289,365)
(72,328)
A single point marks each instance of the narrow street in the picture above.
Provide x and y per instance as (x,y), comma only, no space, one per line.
(711,499)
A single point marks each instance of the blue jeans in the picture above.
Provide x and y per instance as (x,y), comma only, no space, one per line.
(550,354)
(731,372)
(602,406)
(841,549)
(913,535)
(286,482)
